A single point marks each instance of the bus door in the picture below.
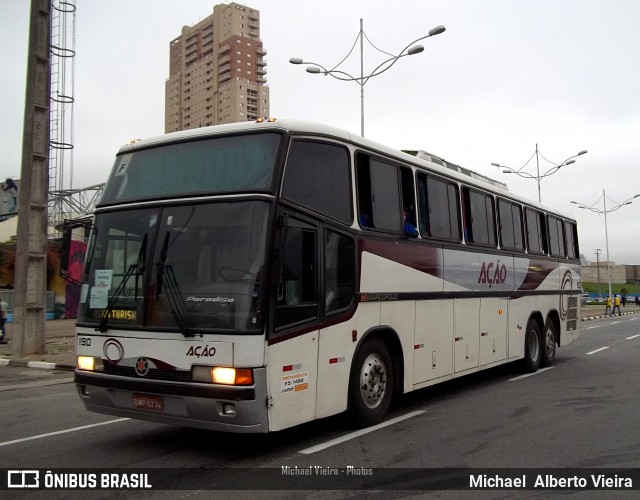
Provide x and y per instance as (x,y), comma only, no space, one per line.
(293,346)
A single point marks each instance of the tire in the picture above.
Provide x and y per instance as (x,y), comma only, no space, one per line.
(532,347)
(548,350)
(371,383)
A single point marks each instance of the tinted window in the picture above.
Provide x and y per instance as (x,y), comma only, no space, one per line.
(339,271)
(536,239)
(556,237)
(439,212)
(479,218)
(297,298)
(317,176)
(571,235)
(220,165)
(510,225)
(378,194)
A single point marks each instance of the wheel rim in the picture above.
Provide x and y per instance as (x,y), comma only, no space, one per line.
(534,345)
(550,342)
(373,380)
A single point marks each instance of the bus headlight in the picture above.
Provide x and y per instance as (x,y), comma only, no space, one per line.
(89,363)
(223,375)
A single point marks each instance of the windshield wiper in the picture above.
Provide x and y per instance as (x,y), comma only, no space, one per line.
(138,268)
(166,276)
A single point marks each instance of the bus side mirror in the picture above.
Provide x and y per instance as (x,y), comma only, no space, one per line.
(292,251)
(65,250)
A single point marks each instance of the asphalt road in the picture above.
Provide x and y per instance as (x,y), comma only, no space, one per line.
(582,412)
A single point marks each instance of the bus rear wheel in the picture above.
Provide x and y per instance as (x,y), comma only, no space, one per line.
(532,347)
(371,383)
(548,352)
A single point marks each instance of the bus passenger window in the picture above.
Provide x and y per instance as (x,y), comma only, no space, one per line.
(556,237)
(536,232)
(438,207)
(479,218)
(510,225)
(571,235)
(318,176)
(378,195)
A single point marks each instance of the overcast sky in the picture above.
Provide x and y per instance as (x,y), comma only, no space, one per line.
(505,75)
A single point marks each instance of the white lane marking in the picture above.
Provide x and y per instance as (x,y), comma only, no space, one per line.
(49,434)
(633,337)
(347,437)
(598,350)
(530,374)
(615,322)
(592,327)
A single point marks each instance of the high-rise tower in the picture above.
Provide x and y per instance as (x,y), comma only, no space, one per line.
(217,71)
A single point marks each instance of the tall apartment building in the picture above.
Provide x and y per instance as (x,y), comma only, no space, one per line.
(217,71)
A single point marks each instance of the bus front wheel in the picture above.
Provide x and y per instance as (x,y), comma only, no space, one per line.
(532,347)
(371,383)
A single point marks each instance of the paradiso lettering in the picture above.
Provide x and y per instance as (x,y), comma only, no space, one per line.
(201,351)
(493,273)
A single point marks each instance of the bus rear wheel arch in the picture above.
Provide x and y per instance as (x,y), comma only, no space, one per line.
(371,383)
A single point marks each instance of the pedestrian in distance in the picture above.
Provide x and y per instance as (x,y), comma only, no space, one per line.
(4,309)
(637,300)
(616,305)
(608,310)
(624,301)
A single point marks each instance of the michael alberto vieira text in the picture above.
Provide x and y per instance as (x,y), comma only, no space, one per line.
(550,481)
(317,470)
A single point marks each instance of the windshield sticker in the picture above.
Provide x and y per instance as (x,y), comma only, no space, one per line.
(294,383)
(169,220)
(104,278)
(99,298)
(122,166)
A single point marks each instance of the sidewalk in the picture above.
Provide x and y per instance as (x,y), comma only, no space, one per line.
(60,341)
(60,346)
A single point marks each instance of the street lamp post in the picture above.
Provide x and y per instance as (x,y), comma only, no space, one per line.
(409,50)
(598,252)
(538,177)
(604,211)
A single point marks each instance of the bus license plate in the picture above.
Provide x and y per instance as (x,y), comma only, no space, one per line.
(148,402)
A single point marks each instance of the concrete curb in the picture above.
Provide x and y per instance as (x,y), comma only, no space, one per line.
(608,316)
(43,365)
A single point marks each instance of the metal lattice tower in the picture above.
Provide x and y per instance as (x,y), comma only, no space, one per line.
(62,51)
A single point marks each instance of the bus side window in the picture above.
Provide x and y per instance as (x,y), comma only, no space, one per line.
(536,232)
(438,207)
(571,235)
(556,237)
(510,225)
(378,195)
(480,226)
(339,271)
(297,297)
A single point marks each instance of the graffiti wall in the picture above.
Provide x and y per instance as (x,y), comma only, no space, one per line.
(65,295)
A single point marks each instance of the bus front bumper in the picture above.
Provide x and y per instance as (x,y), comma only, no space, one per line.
(206,406)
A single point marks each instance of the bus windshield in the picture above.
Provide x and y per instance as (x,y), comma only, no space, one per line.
(226,164)
(191,268)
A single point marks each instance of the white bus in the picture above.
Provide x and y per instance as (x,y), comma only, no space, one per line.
(254,276)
